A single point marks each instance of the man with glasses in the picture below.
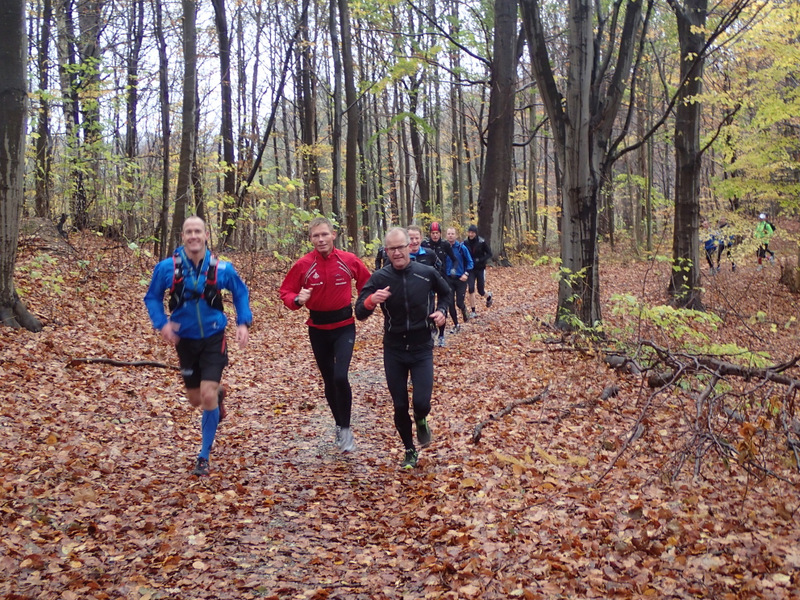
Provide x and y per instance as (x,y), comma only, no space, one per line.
(404,290)
(321,280)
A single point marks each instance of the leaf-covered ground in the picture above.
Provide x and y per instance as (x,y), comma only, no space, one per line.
(97,500)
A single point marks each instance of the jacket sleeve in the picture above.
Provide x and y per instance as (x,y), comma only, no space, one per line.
(468,264)
(240,293)
(362,312)
(361,272)
(444,293)
(290,287)
(154,298)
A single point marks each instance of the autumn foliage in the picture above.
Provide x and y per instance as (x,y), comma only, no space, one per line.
(578,494)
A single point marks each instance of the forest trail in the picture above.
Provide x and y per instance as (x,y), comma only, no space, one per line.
(97,500)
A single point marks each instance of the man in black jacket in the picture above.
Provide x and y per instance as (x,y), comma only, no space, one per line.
(404,292)
(481,254)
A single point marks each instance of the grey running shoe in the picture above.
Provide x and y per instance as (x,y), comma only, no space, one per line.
(201,467)
(489,300)
(346,443)
(410,460)
(440,343)
(424,435)
(339,437)
(473,315)
(456,329)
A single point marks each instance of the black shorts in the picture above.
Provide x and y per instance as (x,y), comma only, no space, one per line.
(202,360)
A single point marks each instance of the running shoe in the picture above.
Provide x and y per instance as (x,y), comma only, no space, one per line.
(410,460)
(473,315)
(424,435)
(489,300)
(339,437)
(465,314)
(456,329)
(221,393)
(346,443)
(441,341)
(201,467)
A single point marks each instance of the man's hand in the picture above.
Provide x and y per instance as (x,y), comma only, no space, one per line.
(304,295)
(438,318)
(242,335)
(170,332)
(464,277)
(381,295)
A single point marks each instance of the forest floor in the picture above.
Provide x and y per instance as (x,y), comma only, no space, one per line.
(556,500)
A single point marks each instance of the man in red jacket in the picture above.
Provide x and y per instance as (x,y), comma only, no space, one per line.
(321,280)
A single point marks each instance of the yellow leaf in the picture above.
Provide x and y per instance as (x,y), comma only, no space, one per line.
(469,482)
(580,461)
(51,440)
(548,457)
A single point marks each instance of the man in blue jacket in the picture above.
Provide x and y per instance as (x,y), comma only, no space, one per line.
(458,272)
(196,325)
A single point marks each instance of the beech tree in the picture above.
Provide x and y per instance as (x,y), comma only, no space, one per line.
(582,117)
(13,122)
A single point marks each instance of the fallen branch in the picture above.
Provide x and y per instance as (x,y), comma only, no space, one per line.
(120,363)
(476,433)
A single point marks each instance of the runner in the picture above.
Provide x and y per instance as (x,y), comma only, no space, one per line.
(481,253)
(321,280)
(196,326)
(404,292)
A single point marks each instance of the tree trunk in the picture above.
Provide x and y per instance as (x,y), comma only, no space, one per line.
(162,248)
(582,121)
(183,191)
(68,69)
(684,284)
(493,195)
(135,36)
(229,217)
(336,117)
(13,122)
(89,19)
(44,145)
(353,119)
(307,115)
(417,150)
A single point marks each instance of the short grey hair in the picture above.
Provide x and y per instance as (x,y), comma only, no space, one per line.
(393,232)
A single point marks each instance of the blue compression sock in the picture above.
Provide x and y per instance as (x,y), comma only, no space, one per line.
(208,425)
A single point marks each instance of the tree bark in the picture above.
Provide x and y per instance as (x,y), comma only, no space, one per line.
(353,120)
(13,122)
(582,120)
(493,195)
(307,115)
(162,248)
(229,216)
(188,140)
(684,285)
(44,145)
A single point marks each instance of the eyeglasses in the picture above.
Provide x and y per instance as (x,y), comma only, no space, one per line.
(396,249)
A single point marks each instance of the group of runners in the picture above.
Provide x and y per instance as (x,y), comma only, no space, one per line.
(718,240)
(417,283)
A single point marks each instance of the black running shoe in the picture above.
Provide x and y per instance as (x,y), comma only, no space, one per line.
(410,460)
(424,435)
(221,393)
(201,468)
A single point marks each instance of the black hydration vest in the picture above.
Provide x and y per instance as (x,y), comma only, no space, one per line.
(178,290)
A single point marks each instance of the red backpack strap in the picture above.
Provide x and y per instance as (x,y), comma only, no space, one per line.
(177,271)
(211,273)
